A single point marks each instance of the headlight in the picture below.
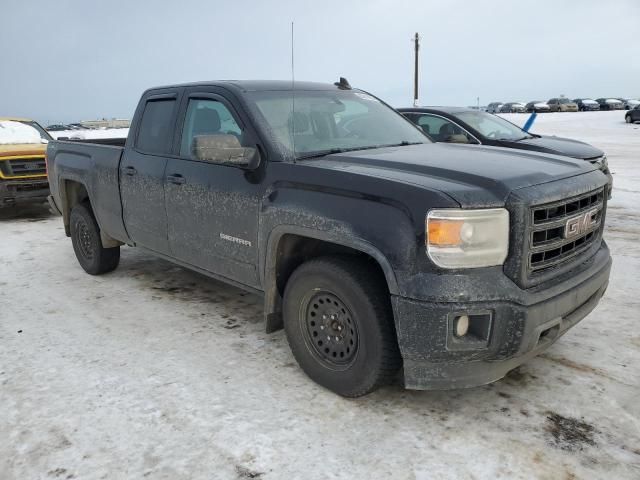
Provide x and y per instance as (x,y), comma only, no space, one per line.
(602,163)
(458,238)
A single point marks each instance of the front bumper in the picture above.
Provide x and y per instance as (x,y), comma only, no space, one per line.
(23,191)
(516,324)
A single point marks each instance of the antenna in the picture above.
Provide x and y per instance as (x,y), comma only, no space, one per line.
(416,41)
(293,100)
(293,76)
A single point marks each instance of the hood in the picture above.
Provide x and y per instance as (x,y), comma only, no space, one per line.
(560,146)
(474,176)
(12,150)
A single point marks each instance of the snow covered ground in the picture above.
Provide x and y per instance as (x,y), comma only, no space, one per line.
(153,371)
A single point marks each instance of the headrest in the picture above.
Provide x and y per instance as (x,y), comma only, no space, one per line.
(298,122)
(446,129)
(206,120)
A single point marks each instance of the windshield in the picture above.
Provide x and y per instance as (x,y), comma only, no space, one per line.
(13,132)
(315,123)
(43,133)
(492,126)
(565,100)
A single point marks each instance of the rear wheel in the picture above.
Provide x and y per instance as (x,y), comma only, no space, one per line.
(627,118)
(339,324)
(85,237)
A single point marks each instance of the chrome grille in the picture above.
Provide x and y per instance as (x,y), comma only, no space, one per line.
(551,243)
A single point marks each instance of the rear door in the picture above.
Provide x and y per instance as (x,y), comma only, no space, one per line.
(142,171)
(213,209)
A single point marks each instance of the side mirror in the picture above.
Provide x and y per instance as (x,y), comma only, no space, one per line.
(224,149)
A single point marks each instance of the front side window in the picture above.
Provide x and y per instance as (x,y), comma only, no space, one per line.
(443,130)
(207,117)
(312,123)
(492,126)
(155,131)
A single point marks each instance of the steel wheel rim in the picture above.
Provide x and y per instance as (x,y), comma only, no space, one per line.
(329,329)
(84,239)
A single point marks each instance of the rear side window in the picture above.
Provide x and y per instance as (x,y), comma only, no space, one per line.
(155,132)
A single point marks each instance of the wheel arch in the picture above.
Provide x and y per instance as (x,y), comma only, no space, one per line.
(289,246)
(72,193)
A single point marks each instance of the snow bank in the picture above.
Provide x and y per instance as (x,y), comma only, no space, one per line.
(16,133)
(91,134)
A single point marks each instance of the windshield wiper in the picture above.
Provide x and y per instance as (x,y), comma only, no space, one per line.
(331,151)
(401,144)
(319,154)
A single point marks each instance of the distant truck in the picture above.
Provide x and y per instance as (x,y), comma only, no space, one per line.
(378,251)
(23,175)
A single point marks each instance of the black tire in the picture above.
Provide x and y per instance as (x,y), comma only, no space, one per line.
(85,237)
(352,307)
(627,118)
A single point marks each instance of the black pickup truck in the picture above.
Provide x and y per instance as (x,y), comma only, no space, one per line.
(378,251)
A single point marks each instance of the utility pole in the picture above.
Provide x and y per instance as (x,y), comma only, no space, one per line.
(416,41)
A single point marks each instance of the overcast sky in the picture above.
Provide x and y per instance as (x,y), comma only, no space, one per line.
(67,60)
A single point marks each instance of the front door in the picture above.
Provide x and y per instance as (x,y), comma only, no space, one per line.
(213,209)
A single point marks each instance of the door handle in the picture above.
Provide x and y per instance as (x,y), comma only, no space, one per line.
(176,179)
(129,171)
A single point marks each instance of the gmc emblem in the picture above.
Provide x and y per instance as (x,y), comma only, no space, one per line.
(581,224)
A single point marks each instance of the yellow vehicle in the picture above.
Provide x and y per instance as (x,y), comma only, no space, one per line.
(23,171)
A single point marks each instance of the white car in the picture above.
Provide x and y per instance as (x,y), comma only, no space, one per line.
(629,103)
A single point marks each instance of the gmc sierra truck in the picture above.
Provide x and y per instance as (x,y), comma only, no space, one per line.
(377,250)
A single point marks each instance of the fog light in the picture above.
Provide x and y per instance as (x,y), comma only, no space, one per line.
(461,325)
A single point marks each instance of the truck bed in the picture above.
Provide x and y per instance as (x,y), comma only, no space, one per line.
(93,165)
(116,142)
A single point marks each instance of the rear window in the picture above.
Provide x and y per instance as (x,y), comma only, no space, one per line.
(155,131)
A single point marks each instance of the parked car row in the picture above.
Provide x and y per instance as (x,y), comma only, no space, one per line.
(563,104)
(59,127)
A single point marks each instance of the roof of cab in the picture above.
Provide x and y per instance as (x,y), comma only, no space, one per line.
(256,85)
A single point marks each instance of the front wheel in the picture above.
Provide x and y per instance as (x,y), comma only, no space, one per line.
(339,324)
(85,237)
(627,118)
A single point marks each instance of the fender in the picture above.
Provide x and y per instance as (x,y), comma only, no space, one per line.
(272,300)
